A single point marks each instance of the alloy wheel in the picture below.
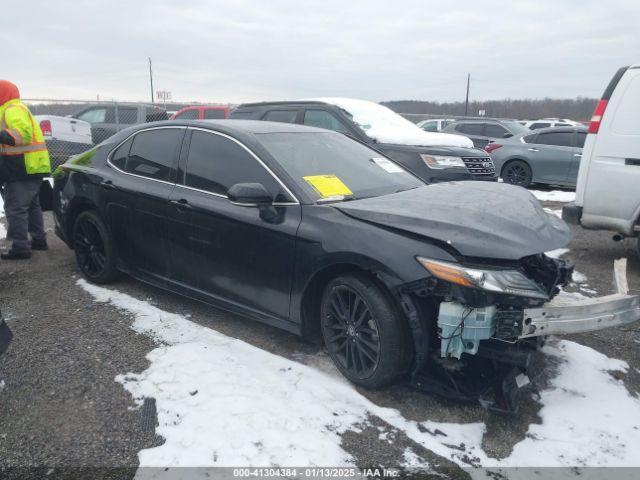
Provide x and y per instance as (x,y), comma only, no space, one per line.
(90,248)
(516,175)
(351,332)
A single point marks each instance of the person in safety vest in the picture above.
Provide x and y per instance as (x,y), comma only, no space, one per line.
(24,162)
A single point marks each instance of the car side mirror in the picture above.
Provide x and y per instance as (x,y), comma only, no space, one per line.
(507,135)
(249,194)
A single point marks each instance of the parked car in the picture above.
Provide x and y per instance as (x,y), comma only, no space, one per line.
(435,124)
(64,137)
(434,157)
(550,122)
(107,119)
(201,112)
(482,132)
(549,155)
(310,231)
(607,194)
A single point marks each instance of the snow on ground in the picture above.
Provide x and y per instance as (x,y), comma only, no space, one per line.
(386,126)
(557,213)
(221,401)
(588,417)
(554,196)
(557,253)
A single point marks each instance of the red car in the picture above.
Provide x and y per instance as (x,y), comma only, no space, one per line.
(201,113)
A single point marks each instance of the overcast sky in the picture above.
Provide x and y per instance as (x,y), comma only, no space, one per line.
(244,50)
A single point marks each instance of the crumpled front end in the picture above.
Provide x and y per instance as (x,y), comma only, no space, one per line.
(491,321)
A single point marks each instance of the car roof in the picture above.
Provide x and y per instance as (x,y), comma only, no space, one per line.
(549,129)
(283,103)
(570,128)
(244,126)
(486,120)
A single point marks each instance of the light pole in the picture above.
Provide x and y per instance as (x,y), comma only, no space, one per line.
(466,101)
(151,79)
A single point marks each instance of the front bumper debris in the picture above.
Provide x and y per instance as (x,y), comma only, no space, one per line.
(560,317)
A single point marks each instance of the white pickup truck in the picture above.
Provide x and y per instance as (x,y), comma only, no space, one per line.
(65,136)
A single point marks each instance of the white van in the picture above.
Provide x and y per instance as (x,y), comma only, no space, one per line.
(608,187)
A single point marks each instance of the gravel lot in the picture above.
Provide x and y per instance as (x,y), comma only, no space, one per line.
(61,407)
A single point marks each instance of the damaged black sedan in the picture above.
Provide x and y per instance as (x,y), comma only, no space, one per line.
(313,232)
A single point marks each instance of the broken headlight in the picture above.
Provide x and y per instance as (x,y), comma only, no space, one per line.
(437,161)
(509,282)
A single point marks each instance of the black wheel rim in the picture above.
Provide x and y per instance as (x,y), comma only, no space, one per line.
(517,175)
(89,247)
(351,332)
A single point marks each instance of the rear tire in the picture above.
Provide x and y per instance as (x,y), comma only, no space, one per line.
(517,173)
(94,248)
(364,332)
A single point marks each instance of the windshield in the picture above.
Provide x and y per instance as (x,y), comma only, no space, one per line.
(330,166)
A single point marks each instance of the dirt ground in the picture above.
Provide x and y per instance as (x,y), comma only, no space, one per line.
(60,405)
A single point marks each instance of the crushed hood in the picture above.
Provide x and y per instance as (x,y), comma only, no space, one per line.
(486,220)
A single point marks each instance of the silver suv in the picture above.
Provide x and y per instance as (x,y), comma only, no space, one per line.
(482,132)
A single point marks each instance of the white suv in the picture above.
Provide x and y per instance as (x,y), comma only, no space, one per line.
(608,188)
(550,122)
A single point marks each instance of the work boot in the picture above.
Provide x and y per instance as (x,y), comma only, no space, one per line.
(16,255)
(39,245)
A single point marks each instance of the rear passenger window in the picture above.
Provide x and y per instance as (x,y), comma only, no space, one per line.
(529,138)
(154,152)
(559,139)
(580,138)
(127,115)
(469,128)
(216,163)
(323,119)
(495,131)
(284,116)
(119,157)
(213,114)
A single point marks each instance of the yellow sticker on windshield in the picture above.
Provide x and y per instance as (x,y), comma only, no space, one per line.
(328,185)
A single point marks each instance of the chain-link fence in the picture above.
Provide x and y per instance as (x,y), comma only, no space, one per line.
(71,127)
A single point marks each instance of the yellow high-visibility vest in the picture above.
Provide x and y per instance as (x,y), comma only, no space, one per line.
(17,121)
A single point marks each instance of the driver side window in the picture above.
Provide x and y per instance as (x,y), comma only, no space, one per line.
(215,163)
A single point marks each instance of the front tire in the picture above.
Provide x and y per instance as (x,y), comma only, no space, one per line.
(517,173)
(365,334)
(94,248)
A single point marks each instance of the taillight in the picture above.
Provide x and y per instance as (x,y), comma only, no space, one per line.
(490,147)
(45,126)
(596,119)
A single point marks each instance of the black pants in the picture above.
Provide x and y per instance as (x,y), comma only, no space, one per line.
(24,216)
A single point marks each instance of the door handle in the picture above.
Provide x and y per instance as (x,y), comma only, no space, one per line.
(182,204)
(108,185)
(577,155)
(533,149)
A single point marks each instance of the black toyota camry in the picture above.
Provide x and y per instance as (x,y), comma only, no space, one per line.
(316,233)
